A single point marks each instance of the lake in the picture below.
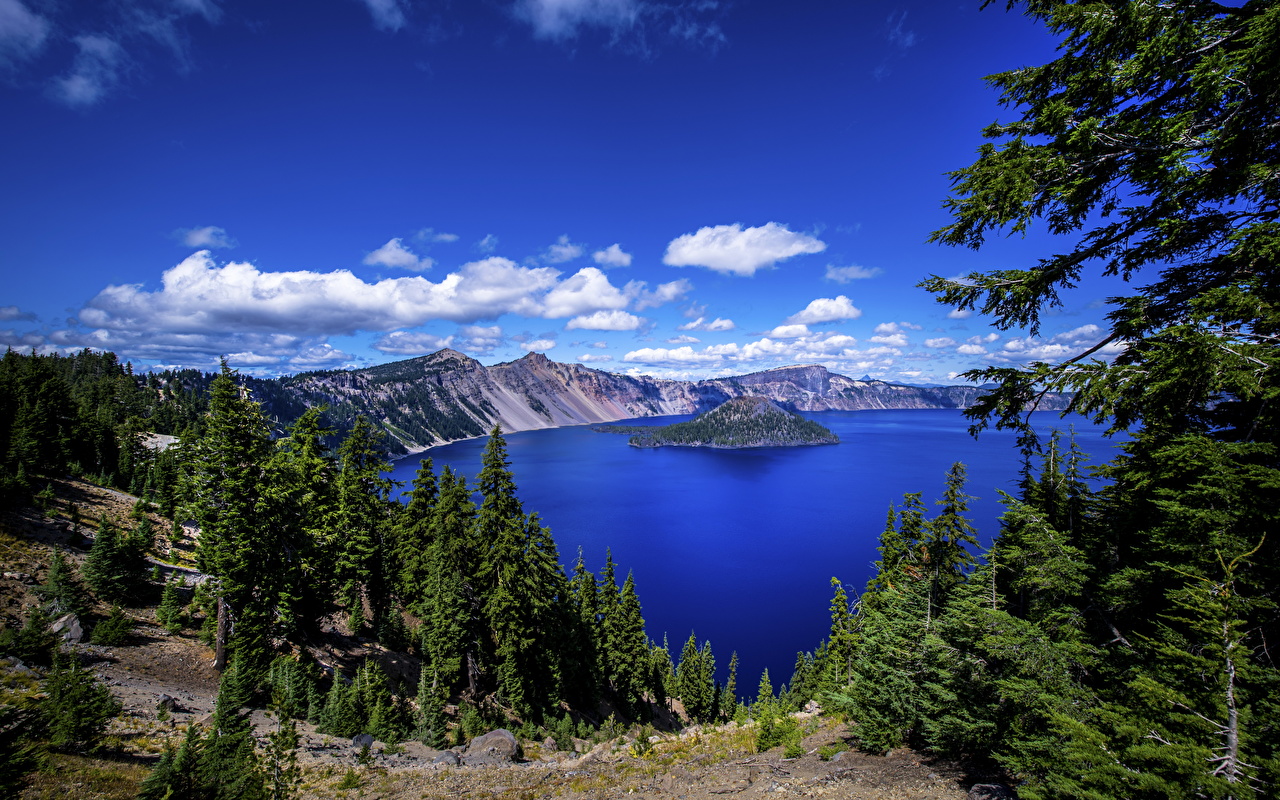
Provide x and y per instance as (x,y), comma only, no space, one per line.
(740,545)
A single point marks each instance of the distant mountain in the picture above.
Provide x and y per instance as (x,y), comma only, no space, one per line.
(447,396)
(738,423)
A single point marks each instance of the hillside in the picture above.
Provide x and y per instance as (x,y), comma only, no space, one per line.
(738,423)
(447,396)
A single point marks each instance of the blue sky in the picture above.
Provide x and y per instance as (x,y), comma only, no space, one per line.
(682,189)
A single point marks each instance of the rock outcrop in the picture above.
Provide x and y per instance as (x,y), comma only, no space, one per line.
(447,396)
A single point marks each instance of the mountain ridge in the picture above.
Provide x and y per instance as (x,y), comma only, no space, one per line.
(447,396)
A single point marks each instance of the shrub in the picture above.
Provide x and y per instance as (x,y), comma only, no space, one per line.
(113,630)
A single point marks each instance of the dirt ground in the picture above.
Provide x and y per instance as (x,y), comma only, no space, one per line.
(694,764)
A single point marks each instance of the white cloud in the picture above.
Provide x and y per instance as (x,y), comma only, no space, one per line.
(891,339)
(789,331)
(320,355)
(480,338)
(94,72)
(11,338)
(1063,345)
(587,358)
(388,15)
(850,273)
(958,313)
(834,350)
(395,255)
(206,237)
(684,338)
(538,345)
(988,339)
(612,256)
(199,296)
(403,343)
(731,249)
(563,250)
(940,342)
(887,327)
(606,321)
(488,244)
(445,237)
(701,324)
(662,294)
(826,309)
(9,313)
(561,19)
(586,291)
(23,33)
(971,350)
(431,235)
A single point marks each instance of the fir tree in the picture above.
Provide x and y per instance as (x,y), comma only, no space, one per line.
(61,589)
(171,612)
(76,707)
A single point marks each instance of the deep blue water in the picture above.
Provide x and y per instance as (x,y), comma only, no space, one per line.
(741,545)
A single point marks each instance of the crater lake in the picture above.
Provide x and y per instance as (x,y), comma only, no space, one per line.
(741,545)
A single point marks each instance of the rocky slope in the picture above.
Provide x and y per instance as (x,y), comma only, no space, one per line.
(447,396)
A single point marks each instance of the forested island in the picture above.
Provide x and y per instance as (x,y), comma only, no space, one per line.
(735,424)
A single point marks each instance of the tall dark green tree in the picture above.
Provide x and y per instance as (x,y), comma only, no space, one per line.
(228,498)
(361,526)
(1151,142)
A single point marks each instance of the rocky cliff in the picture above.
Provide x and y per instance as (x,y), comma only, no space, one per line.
(448,396)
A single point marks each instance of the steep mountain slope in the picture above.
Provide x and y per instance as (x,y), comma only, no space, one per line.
(448,396)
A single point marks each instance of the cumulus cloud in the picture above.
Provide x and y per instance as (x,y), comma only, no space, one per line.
(585,291)
(850,273)
(13,313)
(825,309)
(959,313)
(988,339)
(731,249)
(210,236)
(480,338)
(403,343)
(684,338)
(319,355)
(612,256)
(663,293)
(606,321)
(834,350)
(971,350)
(701,324)
(11,338)
(94,72)
(789,331)
(1063,345)
(23,32)
(940,342)
(588,358)
(890,339)
(395,255)
(200,297)
(563,250)
(538,345)
(388,15)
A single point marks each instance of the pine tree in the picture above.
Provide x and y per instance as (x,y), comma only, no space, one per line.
(115,569)
(76,706)
(61,589)
(171,613)
(362,521)
(280,762)
(695,678)
(728,702)
(225,486)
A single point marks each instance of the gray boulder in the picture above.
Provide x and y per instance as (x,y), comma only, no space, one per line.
(499,745)
(448,758)
(69,628)
(362,740)
(990,791)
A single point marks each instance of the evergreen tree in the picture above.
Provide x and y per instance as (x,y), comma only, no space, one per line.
(76,707)
(362,523)
(280,761)
(115,568)
(171,612)
(227,496)
(728,702)
(696,681)
(61,589)
(450,606)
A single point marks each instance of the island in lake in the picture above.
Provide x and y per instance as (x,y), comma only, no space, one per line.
(736,423)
